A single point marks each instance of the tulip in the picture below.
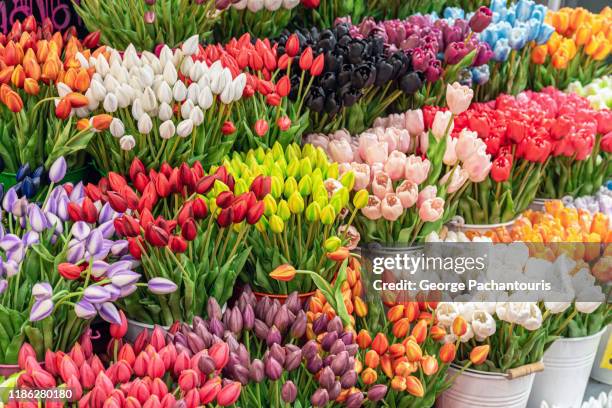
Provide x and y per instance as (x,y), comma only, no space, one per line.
(479,354)
(447,353)
(229,394)
(161,286)
(283,273)
(57,171)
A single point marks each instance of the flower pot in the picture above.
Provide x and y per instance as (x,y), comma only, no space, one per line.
(6,370)
(485,390)
(598,373)
(538,204)
(135,328)
(568,365)
(458,225)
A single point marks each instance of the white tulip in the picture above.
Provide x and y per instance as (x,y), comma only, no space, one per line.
(98,91)
(62,89)
(110,103)
(179,91)
(483,325)
(196,71)
(534,319)
(165,111)
(166,129)
(145,124)
(204,80)
(116,127)
(170,74)
(82,60)
(205,99)
(466,310)
(596,297)
(290,4)
(193,91)
(557,307)
(240,5)
(512,311)
(127,142)
(137,110)
(255,5)
(93,102)
(145,76)
(114,57)
(446,312)
(184,128)
(110,83)
(186,65)
(102,65)
(186,109)
(124,97)
(197,116)
(118,71)
(155,63)
(164,93)
(217,83)
(82,112)
(238,86)
(273,5)
(165,55)
(148,100)
(190,46)
(130,57)
(227,94)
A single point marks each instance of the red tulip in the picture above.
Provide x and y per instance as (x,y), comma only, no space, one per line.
(188,380)
(228,128)
(63,109)
(43,379)
(93,192)
(209,390)
(158,339)
(75,386)
(140,182)
(126,353)
(25,351)
(261,127)
(75,212)
(69,271)
(116,181)
(91,40)
(117,202)
(90,212)
(118,331)
(224,199)
(306,59)
(500,171)
(177,244)
(50,365)
(261,186)
(189,229)
(158,387)
(77,355)
(229,394)
(225,217)
(219,352)
(317,65)
(255,212)
(283,86)
(200,210)
(156,236)
(135,247)
(182,363)
(168,401)
(292,46)
(205,184)
(283,123)
(87,375)
(132,402)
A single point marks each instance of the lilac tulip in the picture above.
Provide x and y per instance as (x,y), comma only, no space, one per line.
(54,222)
(42,291)
(161,286)
(85,310)
(119,247)
(99,268)
(78,192)
(80,230)
(96,294)
(109,312)
(94,242)
(106,214)
(20,207)
(124,278)
(114,292)
(9,199)
(76,252)
(58,170)
(41,309)
(3,285)
(38,220)
(10,242)
(62,208)
(11,268)
(128,290)
(107,229)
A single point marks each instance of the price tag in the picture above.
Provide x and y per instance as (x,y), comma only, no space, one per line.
(606,360)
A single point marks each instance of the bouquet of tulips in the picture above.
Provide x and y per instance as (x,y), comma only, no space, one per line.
(39,67)
(304,224)
(61,267)
(600,202)
(598,92)
(510,36)
(188,229)
(577,49)
(415,177)
(147,23)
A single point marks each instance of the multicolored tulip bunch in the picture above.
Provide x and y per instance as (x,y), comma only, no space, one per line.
(304,223)
(188,229)
(39,67)
(577,49)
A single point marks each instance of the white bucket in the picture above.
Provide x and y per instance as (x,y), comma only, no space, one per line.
(603,375)
(568,364)
(135,328)
(457,225)
(480,389)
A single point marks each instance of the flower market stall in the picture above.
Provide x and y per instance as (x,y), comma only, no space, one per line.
(305,203)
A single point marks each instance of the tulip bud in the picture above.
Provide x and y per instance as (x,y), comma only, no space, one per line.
(447,353)
(328,215)
(276,224)
(479,354)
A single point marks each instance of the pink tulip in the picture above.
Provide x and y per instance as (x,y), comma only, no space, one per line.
(417,169)
(395,166)
(414,122)
(344,168)
(458,97)
(441,123)
(362,175)
(317,140)
(408,193)
(381,184)
(460,176)
(404,141)
(450,154)
(396,120)
(432,209)
(372,211)
(427,193)
(423,142)
(340,151)
(478,166)
(376,168)
(352,234)
(341,134)
(366,139)
(386,135)
(467,144)
(377,153)
(391,207)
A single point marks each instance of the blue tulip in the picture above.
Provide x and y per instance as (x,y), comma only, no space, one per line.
(454,13)
(501,50)
(539,12)
(481,74)
(489,35)
(23,171)
(498,6)
(38,172)
(518,38)
(36,182)
(511,16)
(523,9)
(544,34)
(503,30)
(465,77)
(27,187)
(533,29)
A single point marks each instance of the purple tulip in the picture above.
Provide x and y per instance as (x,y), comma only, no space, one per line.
(96,294)
(37,219)
(277,352)
(42,291)
(161,286)
(241,373)
(107,229)
(334,391)
(106,214)
(320,324)
(310,349)
(320,398)
(261,329)
(85,310)
(20,208)
(11,268)
(248,317)
(293,360)
(377,392)
(293,302)
(298,328)
(58,170)
(335,324)
(206,364)
(314,364)
(216,327)
(340,364)
(273,368)
(17,255)
(80,230)
(354,400)
(348,379)
(124,278)
(109,312)
(128,290)
(213,309)
(62,208)
(41,309)
(235,321)
(283,319)
(30,238)
(94,242)
(10,242)
(274,336)
(99,268)
(114,292)
(327,378)
(78,192)
(119,248)
(9,199)
(76,251)
(337,347)
(328,340)
(289,392)
(256,371)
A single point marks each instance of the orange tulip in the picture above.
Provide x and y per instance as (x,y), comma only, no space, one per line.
(577,18)
(13,101)
(437,333)
(358,366)
(31,86)
(385,364)
(42,51)
(405,368)
(419,331)
(372,359)
(479,354)
(429,364)
(401,327)
(50,70)
(363,339)
(70,77)
(63,109)
(352,276)
(411,311)
(339,254)
(553,43)
(583,35)
(603,51)
(283,273)
(597,24)
(398,383)
(593,45)
(77,100)
(83,124)
(369,376)
(539,54)
(101,122)
(380,344)
(82,80)
(447,353)
(459,326)
(560,59)
(357,289)
(413,351)
(11,54)
(560,21)
(18,76)
(361,308)
(395,313)
(6,74)
(397,350)
(414,386)
(31,66)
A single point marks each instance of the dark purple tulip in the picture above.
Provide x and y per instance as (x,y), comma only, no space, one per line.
(278,353)
(334,391)
(261,329)
(337,347)
(206,364)
(483,55)
(241,373)
(340,364)
(314,364)
(256,371)
(348,379)
(377,392)
(310,349)
(298,328)
(273,368)
(335,324)
(320,324)
(354,400)
(212,309)
(320,398)
(289,392)
(235,321)
(328,340)
(293,303)
(215,327)
(274,336)
(248,317)
(327,378)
